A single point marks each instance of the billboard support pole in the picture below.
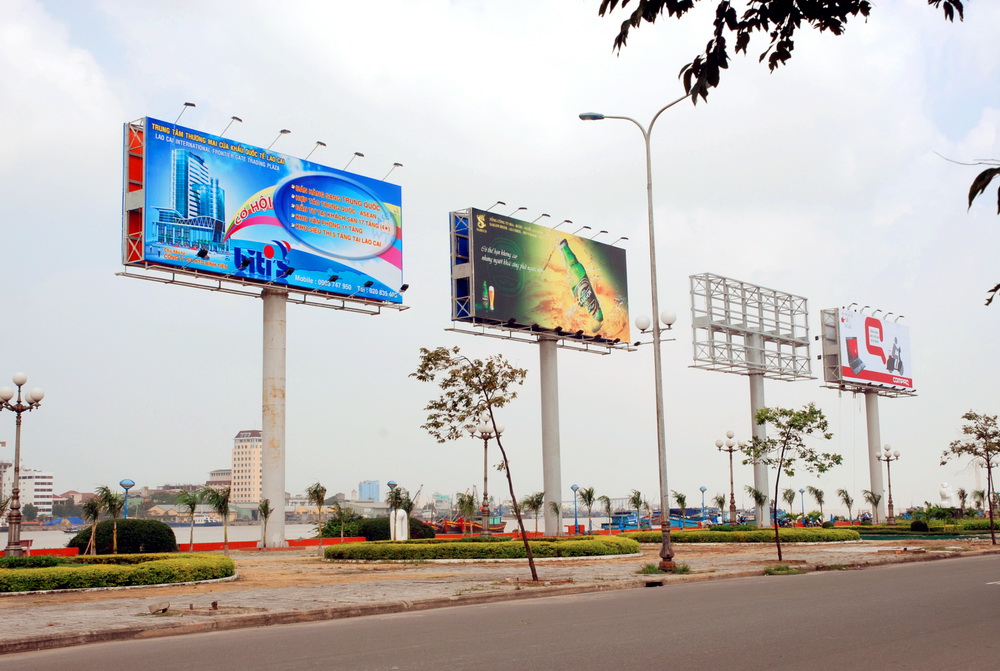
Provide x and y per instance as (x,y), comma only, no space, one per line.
(273,413)
(551,468)
(874,450)
(759,431)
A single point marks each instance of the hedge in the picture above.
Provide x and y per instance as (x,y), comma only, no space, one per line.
(503,549)
(134,536)
(811,535)
(89,572)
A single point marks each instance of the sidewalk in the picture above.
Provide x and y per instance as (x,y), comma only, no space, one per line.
(296,586)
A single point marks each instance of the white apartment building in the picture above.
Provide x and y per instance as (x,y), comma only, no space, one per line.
(246,470)
(36,488)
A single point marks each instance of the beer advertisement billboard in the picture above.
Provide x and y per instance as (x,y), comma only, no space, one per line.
(529,275)
(874,351)
(216,206)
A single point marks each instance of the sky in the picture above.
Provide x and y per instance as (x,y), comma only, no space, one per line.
(838,178)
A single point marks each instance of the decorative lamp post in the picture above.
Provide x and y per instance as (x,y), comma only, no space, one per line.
(730,446)
(666,549)
(126,484)
(26,403)
(576,524)
(484,430)
(392,510)
(702,490)
(802,496)
(888,458)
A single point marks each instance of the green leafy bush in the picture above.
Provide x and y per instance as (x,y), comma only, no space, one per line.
(828,525)
(89,572)
(375,529)
(38,561)
(919,525)
(477,549)
(978,525)
(810,535)
(733,527)
(134,536)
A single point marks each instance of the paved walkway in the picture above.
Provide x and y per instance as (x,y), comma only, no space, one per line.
(296,586)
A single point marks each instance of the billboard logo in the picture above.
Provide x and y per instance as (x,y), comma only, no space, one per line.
(268,262)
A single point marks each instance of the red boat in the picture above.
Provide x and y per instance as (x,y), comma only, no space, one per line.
(461,525)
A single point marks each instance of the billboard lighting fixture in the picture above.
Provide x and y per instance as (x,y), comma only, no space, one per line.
(896,320)
(619,239)
(851,306)
(283,131)
(184,109)
(541,216)
(877,310)
(511,321)
(368,284)
(202,253)
(564,221)
(582,228)
(356,155)
(244,264)
(499,202)
(862,310)
(403,288)
(231,120)
(579,334)
(394,166)
(516,211)
(598,233)
(558,330)
(334,278)
(288,271)
(319,143)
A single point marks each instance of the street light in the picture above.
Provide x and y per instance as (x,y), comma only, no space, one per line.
(888,458)
(802,496)
(576,527)
(730,446)
(702,490)
(32,399)
(666,548)
(126,484)
(484,430)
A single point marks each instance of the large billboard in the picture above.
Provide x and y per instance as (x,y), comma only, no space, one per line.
(872,352)
(522,275)
(212,205)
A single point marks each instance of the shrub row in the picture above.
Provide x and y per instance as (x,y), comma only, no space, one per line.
(38,561)
(811,535)
(83,574)
(505,549)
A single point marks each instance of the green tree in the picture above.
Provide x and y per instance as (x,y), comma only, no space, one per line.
(218,499)
(316,495)
(872,499)
(787,446)
(963,497)
(30,512)
(636,500)
(682,503)
(788,496)
(264,511)
(92,509)
(472,389)
(466,504)
(759,499)
(848,501)
(342,516)
(818,496)
(188,502)
(982,445)
(533,503)
(719,501)
(979,498)
(606,507)
(113,504)
(4,505)
(778,19)
(588,497)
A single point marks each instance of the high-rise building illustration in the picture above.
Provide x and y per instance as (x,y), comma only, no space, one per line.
(197,213)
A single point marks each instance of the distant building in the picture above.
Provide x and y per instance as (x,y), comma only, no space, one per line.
(36,488)
(369,490)
(248,450)
(220,477)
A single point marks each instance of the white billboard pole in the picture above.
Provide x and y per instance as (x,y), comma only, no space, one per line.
(551,468)
(759,431)
(874,450)
(272,479)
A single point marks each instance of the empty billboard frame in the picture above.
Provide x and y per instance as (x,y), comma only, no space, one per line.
(743,328)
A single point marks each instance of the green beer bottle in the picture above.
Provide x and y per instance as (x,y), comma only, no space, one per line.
(583,290)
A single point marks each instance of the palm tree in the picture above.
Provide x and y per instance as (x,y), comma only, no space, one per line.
(588,498)
(92,509)
(848,501)
(264,510)
(635,500)
(788,496)
(978,498)
(605,502)
(556,508)
(188,501)
(818,496)
(759,499)
(395,499)
(113,503)
(719,501)
(466,504)
(534,503)
(872,499)
(218,499)
(963,496)
(682,503)
(316,494)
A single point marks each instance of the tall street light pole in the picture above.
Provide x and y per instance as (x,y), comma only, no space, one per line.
(31,400)
(484,430)
(702,489)
(666,548)
(802,497)
(888,458)
(576,521)
(729,446)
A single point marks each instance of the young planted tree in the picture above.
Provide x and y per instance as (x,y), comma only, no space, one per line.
(92,509)
(533,503)
(588,498)
(788,496)
(341,515)
(472,389)
(682,503)
(759,500)
(556,508)
(218,498)
(264,510)
(848,501)
(466,504)
(818,496)
(978,498)
(719,501)
(188,502)
(316,495)
(872,499)
(963,497)
(787,447)
(982,445)
(606,507)
(113,504)
(635,500)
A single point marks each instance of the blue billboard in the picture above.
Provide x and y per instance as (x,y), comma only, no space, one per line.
(211,205)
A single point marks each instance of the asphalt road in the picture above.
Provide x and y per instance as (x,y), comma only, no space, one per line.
(933,615)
